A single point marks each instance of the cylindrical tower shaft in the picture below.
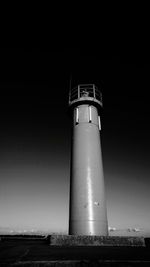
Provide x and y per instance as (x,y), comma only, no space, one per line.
(87,193)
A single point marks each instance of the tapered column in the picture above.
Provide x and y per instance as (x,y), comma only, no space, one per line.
(87,192)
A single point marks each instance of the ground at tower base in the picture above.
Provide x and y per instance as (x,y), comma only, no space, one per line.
(52,251)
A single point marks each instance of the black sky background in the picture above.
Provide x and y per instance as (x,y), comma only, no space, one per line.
(34,86)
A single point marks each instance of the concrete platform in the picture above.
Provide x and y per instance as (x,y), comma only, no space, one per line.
(108,241)
(37,252)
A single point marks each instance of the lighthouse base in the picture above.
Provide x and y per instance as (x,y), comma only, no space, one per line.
(107,241)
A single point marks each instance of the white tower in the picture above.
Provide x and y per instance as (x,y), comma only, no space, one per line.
(88,214)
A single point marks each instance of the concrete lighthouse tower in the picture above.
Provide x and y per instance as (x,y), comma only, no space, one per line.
(88,214)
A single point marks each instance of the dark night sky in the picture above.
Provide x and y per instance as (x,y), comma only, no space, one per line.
(35,135)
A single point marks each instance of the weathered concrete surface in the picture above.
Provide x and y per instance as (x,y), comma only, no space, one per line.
(74,263)
(39,253)
(77,240)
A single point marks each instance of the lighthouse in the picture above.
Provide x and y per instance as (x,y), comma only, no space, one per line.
(88,214)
